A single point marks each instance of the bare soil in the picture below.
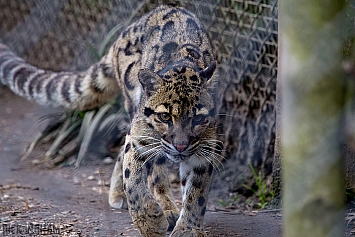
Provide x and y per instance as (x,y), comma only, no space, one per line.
(65,202)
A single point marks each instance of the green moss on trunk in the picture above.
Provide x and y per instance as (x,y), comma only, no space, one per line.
(313,97)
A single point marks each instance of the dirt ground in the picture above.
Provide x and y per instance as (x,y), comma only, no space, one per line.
(36,201)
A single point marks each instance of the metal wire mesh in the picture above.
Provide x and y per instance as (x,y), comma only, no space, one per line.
(66,34)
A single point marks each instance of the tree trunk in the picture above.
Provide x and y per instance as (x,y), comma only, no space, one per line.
(313,97)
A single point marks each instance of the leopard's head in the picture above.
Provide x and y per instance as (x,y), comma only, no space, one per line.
(180,110)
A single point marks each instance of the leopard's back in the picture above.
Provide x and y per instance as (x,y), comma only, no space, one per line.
(164,38)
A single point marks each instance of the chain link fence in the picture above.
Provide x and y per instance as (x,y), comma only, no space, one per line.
(71,35)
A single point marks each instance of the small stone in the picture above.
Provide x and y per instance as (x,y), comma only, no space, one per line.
(76,180)
(36,162)
(5,219)
(6,186)
(101,182)
(108,160)
(97,189)
(91,177)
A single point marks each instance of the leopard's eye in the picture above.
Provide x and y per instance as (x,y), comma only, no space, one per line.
(164,117)
(200,119)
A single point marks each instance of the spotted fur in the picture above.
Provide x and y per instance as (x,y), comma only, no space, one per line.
(163,64)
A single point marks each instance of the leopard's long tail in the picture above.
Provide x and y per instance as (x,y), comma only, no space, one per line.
(72,90)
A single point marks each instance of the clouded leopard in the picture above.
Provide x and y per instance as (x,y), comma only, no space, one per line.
(164,66)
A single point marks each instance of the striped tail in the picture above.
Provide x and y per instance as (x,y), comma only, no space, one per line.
(73,90)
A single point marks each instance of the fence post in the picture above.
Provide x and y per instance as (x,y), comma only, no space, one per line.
(313,97)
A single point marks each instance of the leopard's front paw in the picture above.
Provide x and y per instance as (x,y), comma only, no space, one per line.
(181,231)
(151,220)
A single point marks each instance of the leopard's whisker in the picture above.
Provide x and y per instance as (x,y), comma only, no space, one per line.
(152,145)
(201,155)
(217,146)
(213,155)
(213,149)
(145,138)
(214,142)
(155,153)
(147,152)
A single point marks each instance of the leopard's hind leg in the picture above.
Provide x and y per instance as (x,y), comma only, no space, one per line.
(117,198)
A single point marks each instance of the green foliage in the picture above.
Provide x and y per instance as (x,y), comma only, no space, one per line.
(224,203)
(262,192)
(73,132)
(95,52)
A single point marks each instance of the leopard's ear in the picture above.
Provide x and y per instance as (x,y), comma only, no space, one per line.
(149,80)
(207,73)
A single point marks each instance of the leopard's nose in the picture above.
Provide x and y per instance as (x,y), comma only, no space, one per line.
(180,147)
